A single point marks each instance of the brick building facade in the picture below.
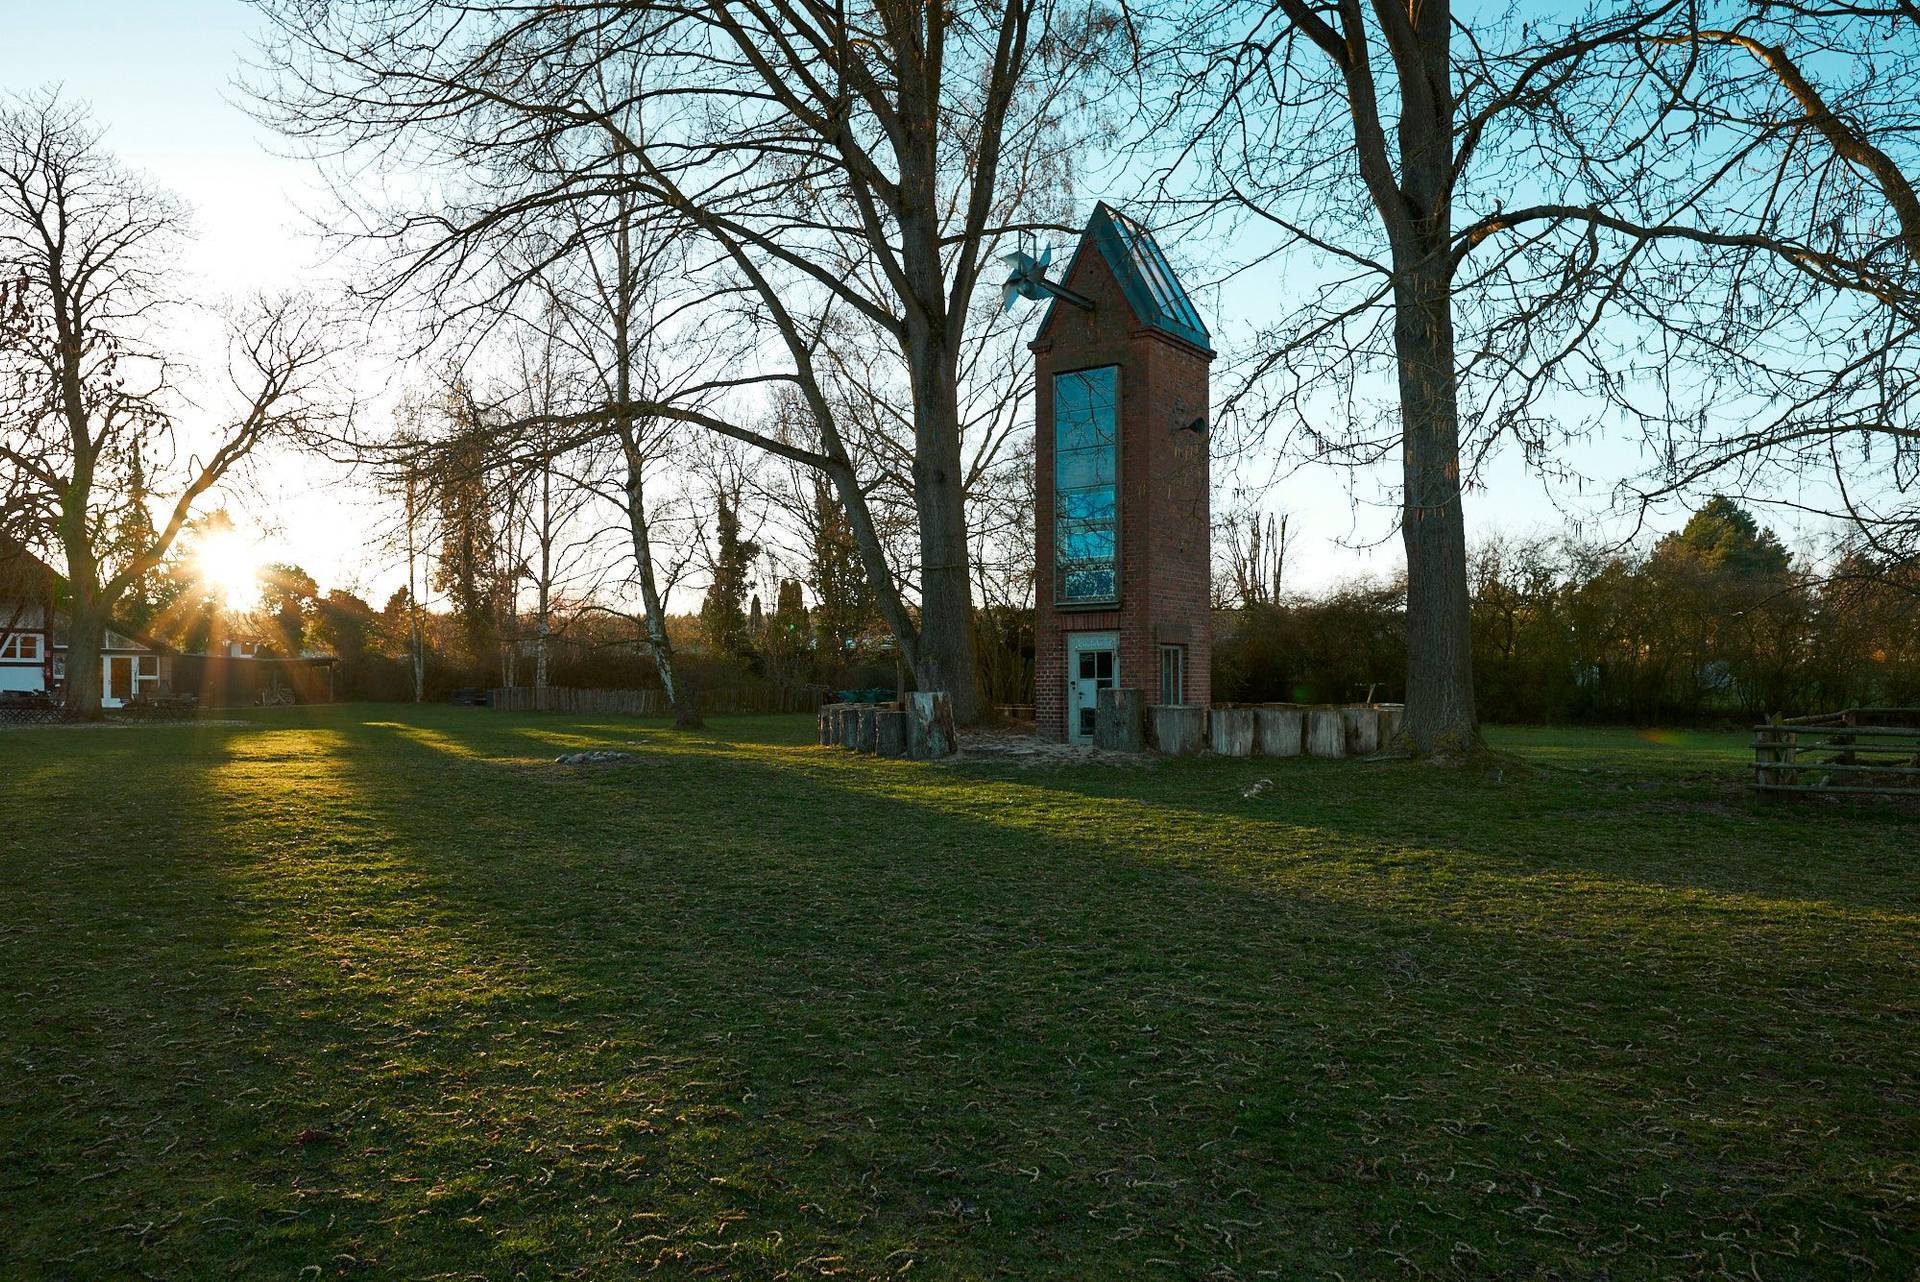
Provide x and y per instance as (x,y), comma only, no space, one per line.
(1121,526)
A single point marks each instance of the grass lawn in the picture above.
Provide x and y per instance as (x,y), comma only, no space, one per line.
(381,990)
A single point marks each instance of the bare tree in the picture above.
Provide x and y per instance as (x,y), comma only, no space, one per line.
(1255,545)
(1533,226)
(609,303)
(87,390)
(849,170)
(554,478)
(1810,360)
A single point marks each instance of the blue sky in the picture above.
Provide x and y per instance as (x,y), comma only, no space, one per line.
(159,76)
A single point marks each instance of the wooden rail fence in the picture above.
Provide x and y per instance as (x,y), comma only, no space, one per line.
(1861,750)
(653,703)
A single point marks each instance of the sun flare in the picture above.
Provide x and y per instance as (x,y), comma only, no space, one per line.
(229,564)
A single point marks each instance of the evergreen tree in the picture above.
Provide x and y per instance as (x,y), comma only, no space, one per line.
(785,640)
(1722,535)
(723,614)
(844,603)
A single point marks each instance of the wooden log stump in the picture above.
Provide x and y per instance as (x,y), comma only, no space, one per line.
(1178,730)
(1279,732)
(825,719)
(1232,731)
(890,733)
(1390,715)
(1363,730)
(930,731)
(844,725)
(1119,721)
(1326,733)
(865,727)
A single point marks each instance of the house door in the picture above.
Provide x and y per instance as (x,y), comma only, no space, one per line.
(119,680)
(1093,665)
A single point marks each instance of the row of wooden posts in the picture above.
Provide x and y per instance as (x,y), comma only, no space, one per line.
(919,727)
(1861,750)
(1123,722)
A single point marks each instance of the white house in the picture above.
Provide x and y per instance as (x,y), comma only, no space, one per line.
(33,640)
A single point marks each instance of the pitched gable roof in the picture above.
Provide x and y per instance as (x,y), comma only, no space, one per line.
(1146,279)
(24,574)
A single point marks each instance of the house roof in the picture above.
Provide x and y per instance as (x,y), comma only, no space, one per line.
(1158,299)
(23,573)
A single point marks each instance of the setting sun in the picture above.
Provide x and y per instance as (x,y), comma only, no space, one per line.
(229,563)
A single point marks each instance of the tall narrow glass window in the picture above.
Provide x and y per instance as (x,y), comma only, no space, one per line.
(1086,545)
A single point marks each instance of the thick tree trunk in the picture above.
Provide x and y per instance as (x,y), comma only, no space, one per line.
(1416,212)
(86,638)
(945,660)
(1440,717)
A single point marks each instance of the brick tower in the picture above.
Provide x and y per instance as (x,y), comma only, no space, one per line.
(1121,526)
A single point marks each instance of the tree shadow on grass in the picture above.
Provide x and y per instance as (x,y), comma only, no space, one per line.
(1691,831)
(139,1126)
(916,1005)
(769,1011)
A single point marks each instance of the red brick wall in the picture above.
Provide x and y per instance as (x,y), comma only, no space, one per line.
(1163,495)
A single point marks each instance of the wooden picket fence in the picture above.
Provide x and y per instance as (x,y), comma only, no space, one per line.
(1861,750)
(653,703)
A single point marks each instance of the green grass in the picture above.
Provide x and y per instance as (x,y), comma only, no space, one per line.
(381,990)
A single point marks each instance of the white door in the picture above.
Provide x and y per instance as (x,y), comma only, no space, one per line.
(1093,665)
(118,685)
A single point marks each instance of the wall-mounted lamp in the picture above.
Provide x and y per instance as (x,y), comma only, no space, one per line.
(1198,427)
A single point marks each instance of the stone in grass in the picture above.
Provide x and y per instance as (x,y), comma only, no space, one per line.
(1279,732)
(1326,733)
(1363,729)
(596,757)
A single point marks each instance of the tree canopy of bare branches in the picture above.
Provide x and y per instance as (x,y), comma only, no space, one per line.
(846,170)
(1534,225)
(96,415)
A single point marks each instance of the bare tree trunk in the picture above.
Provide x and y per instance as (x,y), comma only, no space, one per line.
(543,624)
(1416,212)
(945,658)
(86,638)
(680,697)
(416,643)
(1440,715)
(685,705)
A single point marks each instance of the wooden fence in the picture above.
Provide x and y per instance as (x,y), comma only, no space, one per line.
(653,703)
(1861,750)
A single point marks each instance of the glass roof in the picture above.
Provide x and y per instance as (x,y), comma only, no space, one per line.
(1146,277)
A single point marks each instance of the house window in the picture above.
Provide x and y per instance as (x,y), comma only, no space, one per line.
(23,647)
(149,666)
(1086,544)
(1173,674)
